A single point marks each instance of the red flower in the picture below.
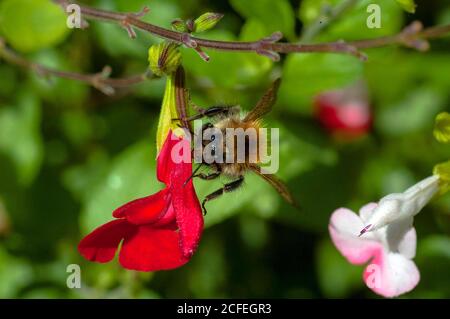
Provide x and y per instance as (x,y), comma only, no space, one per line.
(160,231)
(342,115)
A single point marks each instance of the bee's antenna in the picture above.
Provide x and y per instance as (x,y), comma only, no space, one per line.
(193,174)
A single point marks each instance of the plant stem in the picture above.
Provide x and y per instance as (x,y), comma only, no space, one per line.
(100,81)
(413,36)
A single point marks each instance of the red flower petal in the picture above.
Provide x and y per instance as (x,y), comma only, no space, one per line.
(189,219)
(145,210)
(188,213)
(152,249)
(102,243)
(165,163)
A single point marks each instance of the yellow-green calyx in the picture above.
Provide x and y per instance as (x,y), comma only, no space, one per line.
(169,114)
(443,171)
(164,58)
(442,127)
(206,21)
(203,23)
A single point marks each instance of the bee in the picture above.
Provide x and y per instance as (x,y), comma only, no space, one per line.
(231,117)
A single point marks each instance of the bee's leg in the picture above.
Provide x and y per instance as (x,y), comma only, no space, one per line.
(227,188)
(203,176)
(210,176)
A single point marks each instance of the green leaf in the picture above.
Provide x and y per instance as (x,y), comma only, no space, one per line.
(223,67)
(162,12)
(15,274)
(306,75)
(433,260)
(275,15)
(30,25)
(352,24)
(116,41)
(253,67)
(408,5)
(337,277)
(62,92)
(20,136)
(414,113)
(230,69)
(310,10)
(131,175)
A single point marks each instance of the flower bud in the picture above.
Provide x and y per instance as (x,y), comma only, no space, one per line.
(343,115)
(442,127)
(443,171)
(164,58)
(179,25)
(206,21)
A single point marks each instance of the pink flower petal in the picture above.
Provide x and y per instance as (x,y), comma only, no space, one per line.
(344,229)
(391,274)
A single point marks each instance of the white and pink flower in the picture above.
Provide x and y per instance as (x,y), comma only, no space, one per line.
(383,236)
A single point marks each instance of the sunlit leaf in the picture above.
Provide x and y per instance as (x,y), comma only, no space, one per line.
(337,277)
(275,15)
(131,175)
(29,25)
(306,75)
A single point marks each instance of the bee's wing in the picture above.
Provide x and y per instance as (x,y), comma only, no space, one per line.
(266,102)
(276,183)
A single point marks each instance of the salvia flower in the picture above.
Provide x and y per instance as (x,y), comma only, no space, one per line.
(160,231)
(344,113)
(157,232)
(383,236)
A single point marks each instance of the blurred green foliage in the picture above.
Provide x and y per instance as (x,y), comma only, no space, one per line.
(70,155)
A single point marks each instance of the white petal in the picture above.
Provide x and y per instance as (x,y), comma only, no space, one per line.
(407,245)
(400,206)
(421,193)
(394,234)
(366,211)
